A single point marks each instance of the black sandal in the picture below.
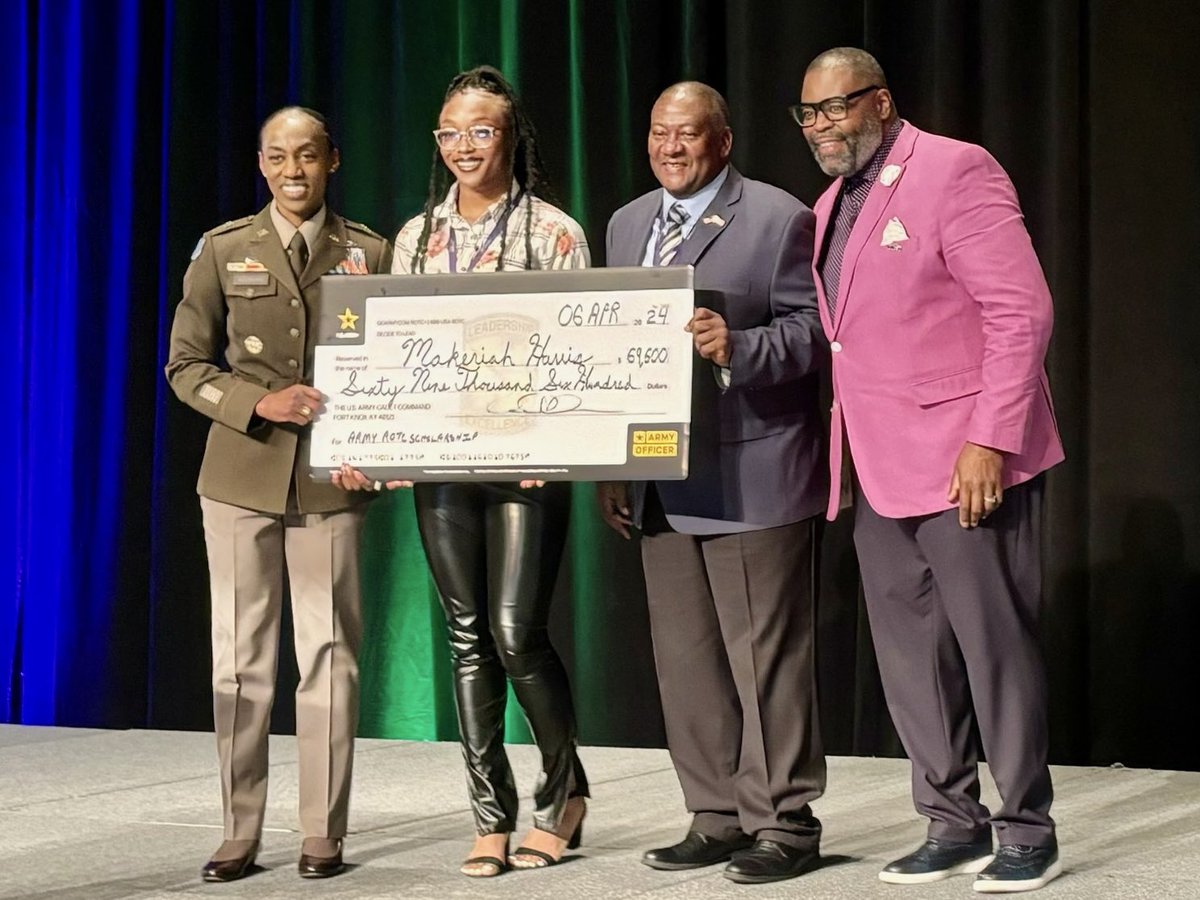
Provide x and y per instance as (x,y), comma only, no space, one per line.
(545,859)
(498,866)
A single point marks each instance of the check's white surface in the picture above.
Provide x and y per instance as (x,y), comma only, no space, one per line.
(541,384)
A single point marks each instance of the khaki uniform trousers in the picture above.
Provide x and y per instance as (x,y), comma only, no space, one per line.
(247,551)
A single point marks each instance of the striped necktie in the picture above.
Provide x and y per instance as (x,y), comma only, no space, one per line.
(672,234)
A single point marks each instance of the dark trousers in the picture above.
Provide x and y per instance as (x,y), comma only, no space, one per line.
(494,551)
(731,618)
(954,617)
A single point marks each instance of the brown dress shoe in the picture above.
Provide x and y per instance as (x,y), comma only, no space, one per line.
(321,858)
(232,861)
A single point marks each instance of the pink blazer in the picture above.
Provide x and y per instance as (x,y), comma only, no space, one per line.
(941,329)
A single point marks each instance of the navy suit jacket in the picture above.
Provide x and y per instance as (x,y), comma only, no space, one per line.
(757,447)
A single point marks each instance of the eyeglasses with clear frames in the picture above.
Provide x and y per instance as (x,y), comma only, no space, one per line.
(834,108)
(480,136)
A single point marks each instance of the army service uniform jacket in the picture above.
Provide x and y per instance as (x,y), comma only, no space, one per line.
(244,328)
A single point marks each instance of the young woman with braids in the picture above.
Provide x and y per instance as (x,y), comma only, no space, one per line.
(494,549)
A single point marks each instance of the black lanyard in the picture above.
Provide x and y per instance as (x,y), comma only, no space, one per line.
(497,230)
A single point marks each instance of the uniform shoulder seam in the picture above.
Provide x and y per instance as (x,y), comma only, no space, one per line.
(358,226)
(232,225)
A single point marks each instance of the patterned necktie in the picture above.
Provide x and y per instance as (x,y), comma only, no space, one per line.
(672,235)
(849,207)
(298,253)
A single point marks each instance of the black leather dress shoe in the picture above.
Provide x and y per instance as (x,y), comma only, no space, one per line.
(321,866)
(770,861)
(230,869)
(935,860)
(1019,868)
(694,852)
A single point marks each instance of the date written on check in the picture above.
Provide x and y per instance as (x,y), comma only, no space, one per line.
(565,376)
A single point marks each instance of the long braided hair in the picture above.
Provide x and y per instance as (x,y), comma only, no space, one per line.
(527,167)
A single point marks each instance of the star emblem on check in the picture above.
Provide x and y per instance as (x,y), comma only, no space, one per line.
(348,318)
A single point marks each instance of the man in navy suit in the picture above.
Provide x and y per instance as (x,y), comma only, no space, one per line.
(729,552)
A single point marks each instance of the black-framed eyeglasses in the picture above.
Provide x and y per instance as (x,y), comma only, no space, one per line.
(834,108)
(481,136)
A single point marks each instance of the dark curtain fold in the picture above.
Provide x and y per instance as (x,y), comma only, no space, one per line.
(132,127)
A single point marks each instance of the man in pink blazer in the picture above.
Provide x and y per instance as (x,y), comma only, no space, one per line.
(938,317)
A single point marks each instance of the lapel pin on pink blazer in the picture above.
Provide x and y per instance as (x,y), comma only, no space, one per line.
(894,234)
(890,175)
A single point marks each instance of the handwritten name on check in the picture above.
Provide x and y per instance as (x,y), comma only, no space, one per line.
(559,385)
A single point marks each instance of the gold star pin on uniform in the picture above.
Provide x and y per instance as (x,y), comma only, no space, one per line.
(348,318)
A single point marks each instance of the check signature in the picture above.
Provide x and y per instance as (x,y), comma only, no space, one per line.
(536,404)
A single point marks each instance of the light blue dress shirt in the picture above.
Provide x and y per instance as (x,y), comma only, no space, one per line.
(694,206)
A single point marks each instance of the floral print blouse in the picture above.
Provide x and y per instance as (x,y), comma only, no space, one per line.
(557,240)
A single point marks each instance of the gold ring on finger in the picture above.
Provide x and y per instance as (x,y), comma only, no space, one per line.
(306,411)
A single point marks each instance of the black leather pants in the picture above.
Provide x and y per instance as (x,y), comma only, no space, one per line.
(494,551)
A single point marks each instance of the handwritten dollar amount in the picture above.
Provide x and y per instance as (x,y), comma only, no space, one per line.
(647,356)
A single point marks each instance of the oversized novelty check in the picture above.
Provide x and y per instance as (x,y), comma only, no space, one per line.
(561,376)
